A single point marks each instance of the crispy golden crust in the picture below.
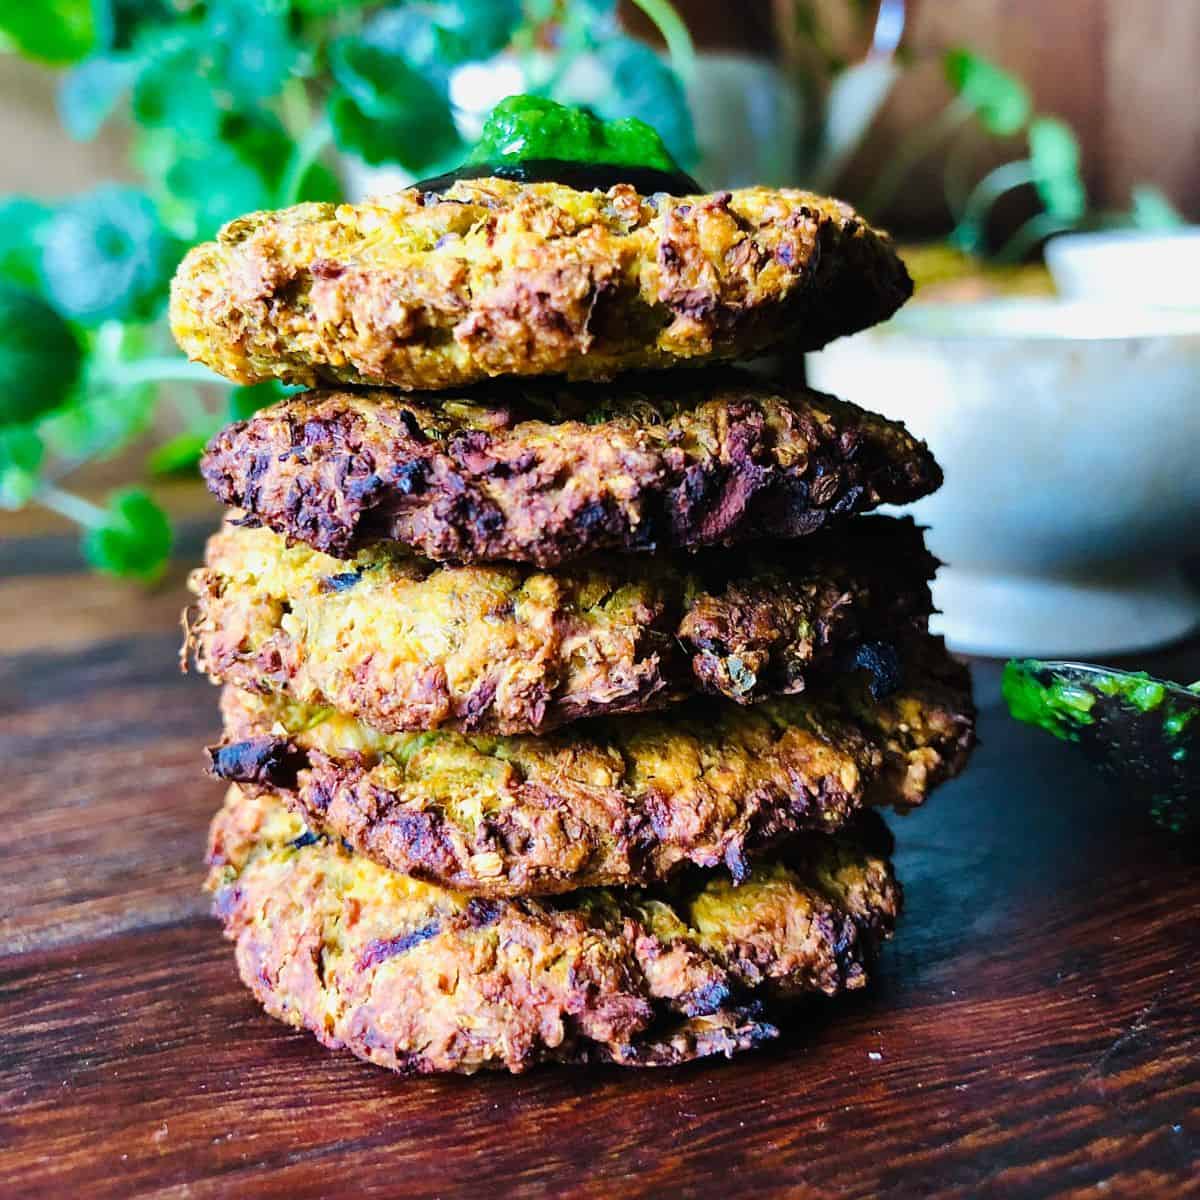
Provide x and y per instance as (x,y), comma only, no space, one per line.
(491,278)
(624,801)
(404,644)
(545,475)
(421,979)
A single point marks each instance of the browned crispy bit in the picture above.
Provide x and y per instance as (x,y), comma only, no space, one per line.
(404,644)
(421,979)
(494,278)
(627,800)
(545,475)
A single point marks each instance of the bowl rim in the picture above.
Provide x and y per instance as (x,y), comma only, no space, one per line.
(1088,240)
(1044,319)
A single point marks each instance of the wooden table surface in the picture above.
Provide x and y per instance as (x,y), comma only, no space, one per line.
(1033,1030)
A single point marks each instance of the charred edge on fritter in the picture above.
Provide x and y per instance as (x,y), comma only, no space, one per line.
(543,479)
(510,650)
(834,609)
(924,741)
(361,956)
(615,802)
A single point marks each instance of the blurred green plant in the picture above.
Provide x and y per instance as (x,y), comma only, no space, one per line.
(999,103)
(238,105)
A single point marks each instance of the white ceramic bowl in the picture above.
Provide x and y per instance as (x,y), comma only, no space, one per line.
(1128,266)
(1070,439)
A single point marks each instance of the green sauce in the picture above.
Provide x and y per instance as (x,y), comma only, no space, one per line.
(1177,721)
(1136,688)
(1136,727)
(523,127)
(532,139)
(1063,706)
(1057,706)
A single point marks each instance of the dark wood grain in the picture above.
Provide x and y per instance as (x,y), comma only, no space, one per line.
(1034,1029)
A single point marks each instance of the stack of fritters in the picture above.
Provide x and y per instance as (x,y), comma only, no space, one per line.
(555,711)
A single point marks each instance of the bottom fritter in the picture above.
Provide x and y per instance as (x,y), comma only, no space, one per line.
(420,979)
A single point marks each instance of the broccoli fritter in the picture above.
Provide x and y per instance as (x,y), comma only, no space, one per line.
(405,644)
(545,475)
(438,290)
(421,979)
(626,800)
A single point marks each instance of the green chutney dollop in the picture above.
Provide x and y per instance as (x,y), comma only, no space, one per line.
(532,139)
(1063,704)
(525,127)
(1055,704)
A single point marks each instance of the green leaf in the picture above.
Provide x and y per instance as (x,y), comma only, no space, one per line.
(21,223)
(539,11)
(1152,210)
(319,183)
(105,256)
(327,8)
(119,23)
(855,98)
(1054,158)
(154,153)
(1000,100)
(244,402)
(217,187)
(434,38)
(260,140)
(240,173)
(171,94)
(476,29)
(40,358)
(645,87)
(179,455)
(596,16)
(89,94)
(53,31)
(99,421)
(21,453)
(412,34)
(256,52)
(384,111)
(135,540)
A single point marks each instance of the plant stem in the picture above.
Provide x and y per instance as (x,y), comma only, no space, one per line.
(305,152)
(294,108)
(955,180)
(1029,234)
(191,407)
(161,369)
(995,183)
(67,504)
(671,25)
(968,231)
(913,147)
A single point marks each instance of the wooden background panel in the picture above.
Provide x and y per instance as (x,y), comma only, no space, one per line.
(1150,127)
(1123,75)
(1123,72)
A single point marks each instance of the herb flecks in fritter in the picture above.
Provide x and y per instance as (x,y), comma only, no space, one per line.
(549,474)
(626,800)
(421,979)
(495,278)
(405,644)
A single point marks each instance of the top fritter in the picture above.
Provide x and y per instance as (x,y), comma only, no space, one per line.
(490,277)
